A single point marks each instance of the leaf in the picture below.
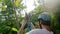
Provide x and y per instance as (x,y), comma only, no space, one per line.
(16,3)
(14,29)
(3,8)
(0,0)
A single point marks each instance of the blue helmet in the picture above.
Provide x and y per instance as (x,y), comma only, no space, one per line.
(45,16)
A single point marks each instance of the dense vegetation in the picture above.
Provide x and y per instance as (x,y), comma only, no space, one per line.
(10,21)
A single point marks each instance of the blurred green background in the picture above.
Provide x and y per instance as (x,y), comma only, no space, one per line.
(11,15)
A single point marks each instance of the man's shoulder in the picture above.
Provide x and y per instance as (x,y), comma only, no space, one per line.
(38,31)
(33,31)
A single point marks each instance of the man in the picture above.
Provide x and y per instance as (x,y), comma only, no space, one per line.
(44,23)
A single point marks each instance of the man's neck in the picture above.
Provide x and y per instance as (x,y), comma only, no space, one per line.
(46,27)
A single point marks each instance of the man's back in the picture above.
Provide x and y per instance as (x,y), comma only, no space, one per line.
(39,31)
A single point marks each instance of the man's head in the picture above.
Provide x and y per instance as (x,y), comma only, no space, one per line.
(44,19)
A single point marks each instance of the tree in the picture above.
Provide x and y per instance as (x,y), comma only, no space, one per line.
(8,16)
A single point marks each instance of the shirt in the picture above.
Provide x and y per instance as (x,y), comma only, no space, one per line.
(39,31)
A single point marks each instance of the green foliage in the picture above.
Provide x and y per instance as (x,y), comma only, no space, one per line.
(8,18)
(4,28)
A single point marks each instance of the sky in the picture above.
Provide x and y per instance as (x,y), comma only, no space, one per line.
(29,5)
